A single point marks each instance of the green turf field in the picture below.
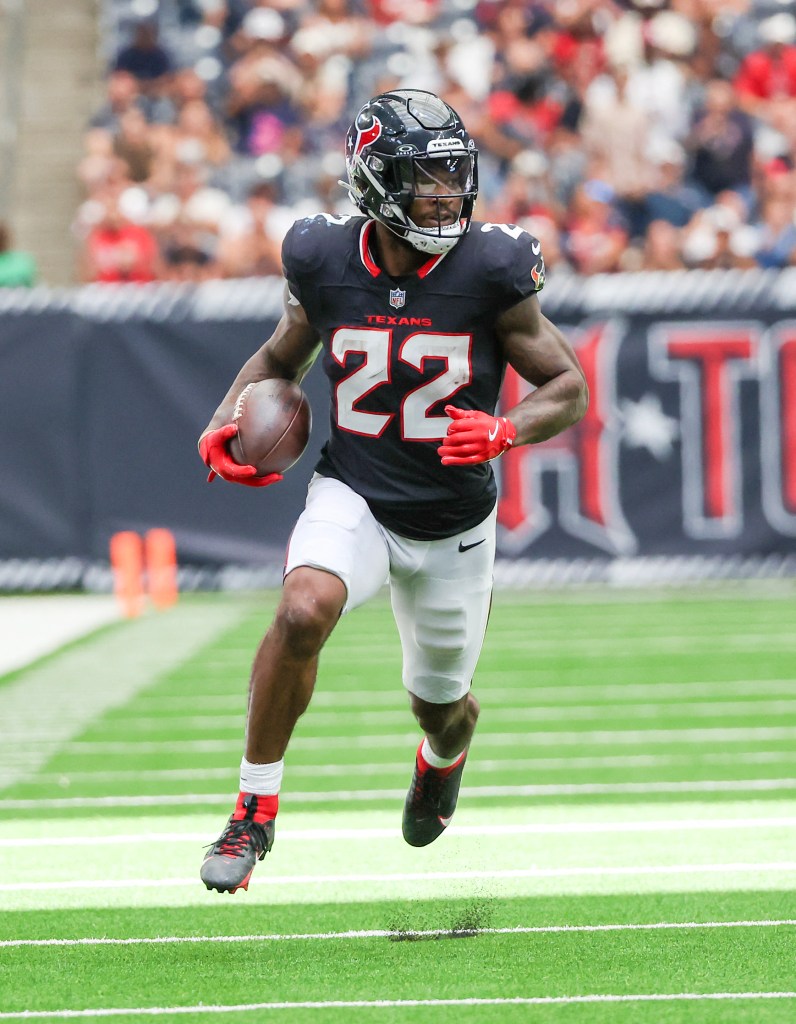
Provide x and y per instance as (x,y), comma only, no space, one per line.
(624,851)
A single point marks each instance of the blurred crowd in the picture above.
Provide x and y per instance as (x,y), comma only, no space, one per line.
(635,135)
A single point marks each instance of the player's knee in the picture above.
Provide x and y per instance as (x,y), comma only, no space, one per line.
(435,719)
(305,618)
(302,625)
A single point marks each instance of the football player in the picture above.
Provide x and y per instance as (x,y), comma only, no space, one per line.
(417,310)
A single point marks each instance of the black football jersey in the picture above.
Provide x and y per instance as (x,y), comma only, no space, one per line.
(397,350)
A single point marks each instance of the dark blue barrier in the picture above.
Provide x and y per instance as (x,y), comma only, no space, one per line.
(688,451)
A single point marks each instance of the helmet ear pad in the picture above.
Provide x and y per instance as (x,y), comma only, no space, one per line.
(393,139)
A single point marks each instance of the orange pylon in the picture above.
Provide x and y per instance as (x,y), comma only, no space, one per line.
(127,563)
(161,567)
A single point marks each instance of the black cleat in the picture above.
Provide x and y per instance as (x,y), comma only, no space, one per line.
(430,802)
(230,860)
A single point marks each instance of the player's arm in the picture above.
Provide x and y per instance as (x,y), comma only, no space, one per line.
(540,353)
(289,353)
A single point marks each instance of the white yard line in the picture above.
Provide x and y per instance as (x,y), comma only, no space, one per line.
(354,1004)
(55,701)
(365,795)
(408,740)
(485,767)
(217,722)
(325,835)
(524,694)
(34,626)
(588,871)
(380,933)
(642,645)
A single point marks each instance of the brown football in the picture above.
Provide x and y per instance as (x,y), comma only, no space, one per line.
(274,421)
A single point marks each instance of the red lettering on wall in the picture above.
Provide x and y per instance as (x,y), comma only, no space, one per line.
(589,433)
(514,498)
(713,355)
(583,458)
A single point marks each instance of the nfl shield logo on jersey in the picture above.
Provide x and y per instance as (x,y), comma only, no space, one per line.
(397,298)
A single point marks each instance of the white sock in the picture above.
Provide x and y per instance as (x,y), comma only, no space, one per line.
(262,779)
(435,760)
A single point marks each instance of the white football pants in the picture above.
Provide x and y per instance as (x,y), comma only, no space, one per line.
(441,589)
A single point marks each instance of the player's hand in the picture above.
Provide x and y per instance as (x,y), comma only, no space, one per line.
(475,437)
(216,456)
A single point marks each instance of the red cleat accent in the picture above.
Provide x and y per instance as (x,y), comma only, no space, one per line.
(230,860)
(431,800)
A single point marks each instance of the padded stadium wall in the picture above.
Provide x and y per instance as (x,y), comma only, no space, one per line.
(684,467)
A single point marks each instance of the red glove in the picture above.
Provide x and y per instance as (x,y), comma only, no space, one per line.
(475,437)
(215,455)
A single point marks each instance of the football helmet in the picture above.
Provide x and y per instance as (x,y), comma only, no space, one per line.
(409,145)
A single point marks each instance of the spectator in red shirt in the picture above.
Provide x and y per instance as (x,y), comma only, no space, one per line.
(769,73)
(525,101)
(596,235)
(117,250)
(409,12)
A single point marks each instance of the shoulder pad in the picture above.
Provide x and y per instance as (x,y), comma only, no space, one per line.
(306,244)
(512,258)
(313,243)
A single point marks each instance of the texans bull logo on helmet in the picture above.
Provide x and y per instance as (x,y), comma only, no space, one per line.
(366,136)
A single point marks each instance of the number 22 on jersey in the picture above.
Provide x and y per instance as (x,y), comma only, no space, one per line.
(376,345)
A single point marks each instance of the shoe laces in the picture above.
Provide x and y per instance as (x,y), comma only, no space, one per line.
(238,836)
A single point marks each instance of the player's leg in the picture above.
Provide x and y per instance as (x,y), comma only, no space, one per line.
(337,558)
(286,663)
(281,685)
(441,594)
(448,727)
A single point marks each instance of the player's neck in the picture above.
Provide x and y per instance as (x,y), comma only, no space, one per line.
(393,255)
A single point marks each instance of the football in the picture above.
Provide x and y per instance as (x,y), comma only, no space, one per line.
(274,421)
